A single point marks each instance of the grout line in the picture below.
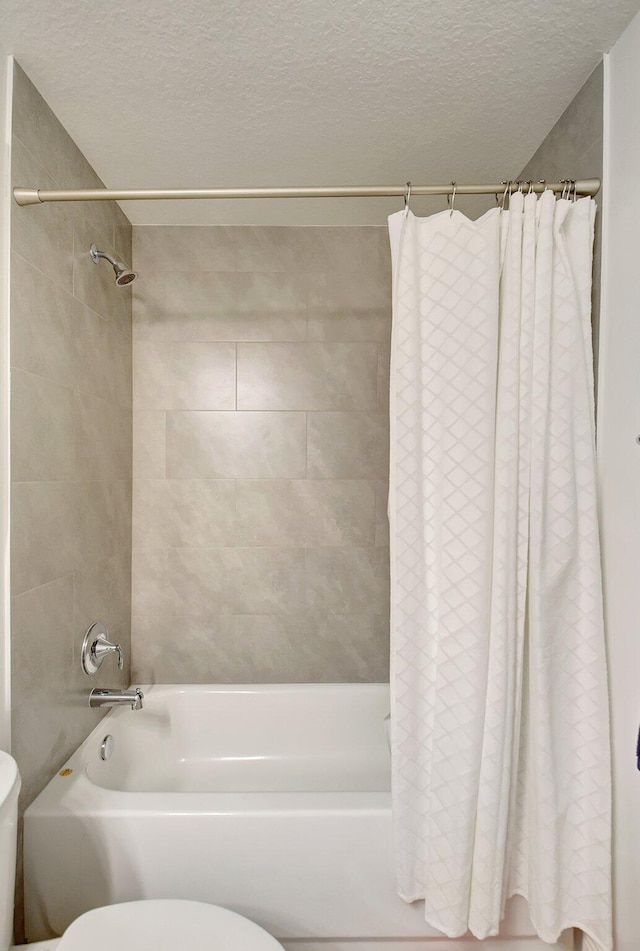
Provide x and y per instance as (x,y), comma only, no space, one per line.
(45,584)
(372,411)
(164,451)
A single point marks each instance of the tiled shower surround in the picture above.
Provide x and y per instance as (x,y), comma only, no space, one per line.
(260,454)
(70,444)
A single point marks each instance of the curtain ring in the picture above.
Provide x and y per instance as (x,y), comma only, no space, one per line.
(453,197)
(503,200)
(407,198)
(575,189)
(564,182)
(530,184)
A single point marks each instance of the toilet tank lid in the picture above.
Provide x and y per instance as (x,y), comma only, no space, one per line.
(9,776)
(165,925)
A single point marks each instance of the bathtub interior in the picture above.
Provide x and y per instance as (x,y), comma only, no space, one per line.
(258,738)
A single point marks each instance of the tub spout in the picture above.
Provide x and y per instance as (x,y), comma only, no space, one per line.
(103,697)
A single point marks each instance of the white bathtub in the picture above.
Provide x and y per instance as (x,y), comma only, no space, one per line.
(270,800)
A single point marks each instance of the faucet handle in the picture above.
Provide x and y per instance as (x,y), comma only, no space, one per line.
(96,646)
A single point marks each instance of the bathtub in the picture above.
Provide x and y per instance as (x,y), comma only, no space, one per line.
(270,800)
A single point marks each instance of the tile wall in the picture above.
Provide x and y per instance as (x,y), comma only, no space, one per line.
(70,444)
(260,454)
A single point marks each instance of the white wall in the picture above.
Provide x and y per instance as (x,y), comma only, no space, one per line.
(619,461)
(6,72)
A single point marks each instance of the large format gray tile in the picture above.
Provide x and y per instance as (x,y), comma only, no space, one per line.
(235,445)
(271,249)
(42,633)
(42,234)
(42,429)
(47,535)
(208,306)
(148,321)
(49,327)
(184,649)
(210,581)
(103,592)
(307,376)
(349,306)
(183,513)
(305,513)
(159,248)
(149,444)
(192,376)
(338,250)
(105,519)
(260,649)
(310,649)
(347,580)
(57,337)
(348,445)
(107,369)
(313,249)
(103,439)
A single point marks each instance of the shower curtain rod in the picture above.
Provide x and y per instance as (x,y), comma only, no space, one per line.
(35,196)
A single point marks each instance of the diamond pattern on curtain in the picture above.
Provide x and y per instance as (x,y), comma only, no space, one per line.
(501,775)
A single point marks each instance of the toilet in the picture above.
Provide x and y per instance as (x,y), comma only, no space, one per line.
(150,925)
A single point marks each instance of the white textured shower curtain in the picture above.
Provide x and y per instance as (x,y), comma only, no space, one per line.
(500,736)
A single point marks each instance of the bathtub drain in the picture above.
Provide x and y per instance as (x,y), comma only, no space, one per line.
(106,747)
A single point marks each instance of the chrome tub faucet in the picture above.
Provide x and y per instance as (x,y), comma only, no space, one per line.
(104,697)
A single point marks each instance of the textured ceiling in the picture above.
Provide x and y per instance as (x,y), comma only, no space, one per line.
(287,92)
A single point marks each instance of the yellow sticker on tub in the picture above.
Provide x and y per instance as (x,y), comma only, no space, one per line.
(65,772)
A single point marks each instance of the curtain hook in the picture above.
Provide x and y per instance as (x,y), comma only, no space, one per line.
(530,184)
(564,182)
(407,198)
(575,189)
(520,186)
(453,197)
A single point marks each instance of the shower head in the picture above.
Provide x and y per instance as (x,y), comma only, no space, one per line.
(123,274)
(124,277)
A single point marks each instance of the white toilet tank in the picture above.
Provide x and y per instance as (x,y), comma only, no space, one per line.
(9,789)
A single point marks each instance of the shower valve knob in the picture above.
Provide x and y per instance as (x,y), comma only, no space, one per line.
(96,647)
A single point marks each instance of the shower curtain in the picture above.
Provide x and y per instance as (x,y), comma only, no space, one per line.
(500,734)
